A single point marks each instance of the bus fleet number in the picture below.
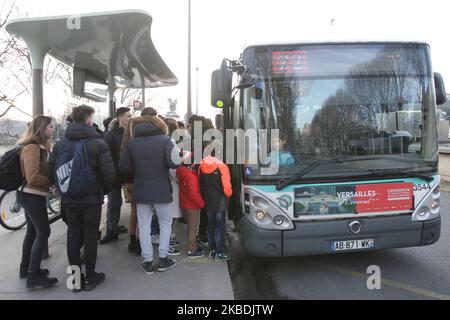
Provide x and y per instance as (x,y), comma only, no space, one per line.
(422,186)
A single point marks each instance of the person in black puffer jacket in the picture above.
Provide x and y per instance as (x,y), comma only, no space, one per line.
(83,213)
(114,141)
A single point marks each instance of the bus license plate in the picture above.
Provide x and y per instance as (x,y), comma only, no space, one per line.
(352,244)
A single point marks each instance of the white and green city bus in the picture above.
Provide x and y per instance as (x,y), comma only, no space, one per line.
(358,166)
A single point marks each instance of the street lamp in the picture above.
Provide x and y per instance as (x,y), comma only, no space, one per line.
(196,91)
(189,106)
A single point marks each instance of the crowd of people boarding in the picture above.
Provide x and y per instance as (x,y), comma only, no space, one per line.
(135,159)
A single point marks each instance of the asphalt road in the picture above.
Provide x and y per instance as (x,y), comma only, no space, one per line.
(408,273)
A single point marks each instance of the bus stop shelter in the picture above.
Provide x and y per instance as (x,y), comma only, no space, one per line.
(108,48)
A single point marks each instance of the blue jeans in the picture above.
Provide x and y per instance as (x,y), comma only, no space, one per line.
(113,214)
(216,231)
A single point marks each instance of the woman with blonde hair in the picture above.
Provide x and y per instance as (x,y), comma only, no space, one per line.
(34,155)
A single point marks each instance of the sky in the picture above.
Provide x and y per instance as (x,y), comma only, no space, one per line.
(222,28)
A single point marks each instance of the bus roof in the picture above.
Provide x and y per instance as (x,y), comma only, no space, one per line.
(107,45)
(328,42)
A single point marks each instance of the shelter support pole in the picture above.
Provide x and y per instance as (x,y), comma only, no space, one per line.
(38,92)
(142,88)
(37,52)
(111,104)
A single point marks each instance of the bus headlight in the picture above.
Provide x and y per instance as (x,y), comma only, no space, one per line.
(423,213)
(430,206)
(278,220)
(436,193)
(264,213)
(259,202)
(260,215)
(435,205)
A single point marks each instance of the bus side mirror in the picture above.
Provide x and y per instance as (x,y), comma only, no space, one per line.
(221,81)
(441,95)
(247,80)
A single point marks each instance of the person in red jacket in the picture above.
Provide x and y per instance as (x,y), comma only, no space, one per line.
(191,202)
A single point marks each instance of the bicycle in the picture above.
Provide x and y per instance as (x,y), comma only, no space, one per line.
(12,215)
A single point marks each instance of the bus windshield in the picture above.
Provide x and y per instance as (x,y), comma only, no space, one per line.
(332,101)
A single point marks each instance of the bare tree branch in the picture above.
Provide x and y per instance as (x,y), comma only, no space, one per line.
(5,20)
(4,98)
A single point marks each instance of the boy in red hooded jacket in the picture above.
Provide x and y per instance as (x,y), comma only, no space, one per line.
(191,202)
(215,185)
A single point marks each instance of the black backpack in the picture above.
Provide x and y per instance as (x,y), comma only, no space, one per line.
(10,171)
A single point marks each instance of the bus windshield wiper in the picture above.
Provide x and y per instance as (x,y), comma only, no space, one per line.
(283,183)
(407,173)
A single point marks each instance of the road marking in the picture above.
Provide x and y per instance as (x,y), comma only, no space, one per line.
(391,283)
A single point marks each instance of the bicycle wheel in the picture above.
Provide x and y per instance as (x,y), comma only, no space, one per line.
(12,214)
(54,209)
(54,204)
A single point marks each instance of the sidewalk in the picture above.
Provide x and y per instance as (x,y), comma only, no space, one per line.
(192,279)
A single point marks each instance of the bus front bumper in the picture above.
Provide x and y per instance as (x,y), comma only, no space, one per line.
(313,238)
